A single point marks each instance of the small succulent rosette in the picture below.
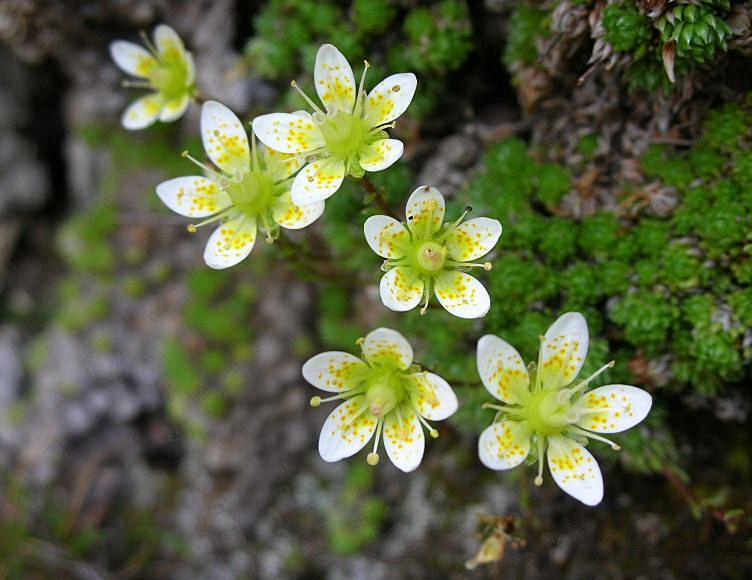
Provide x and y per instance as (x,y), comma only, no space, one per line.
(166,69)
(383,393)
(247,190)
(348,136)
(426,256)
(544,412)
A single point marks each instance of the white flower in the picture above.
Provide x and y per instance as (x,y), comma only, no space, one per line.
(249,190)
(167,69)
(349,138)
(542,411)
(384,393)
(426,256)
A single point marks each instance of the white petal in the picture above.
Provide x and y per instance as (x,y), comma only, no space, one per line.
(380,154)
(563,350)
(288,133)
(389,99)
(387,345)
(334,371)
(132,58)
(282,165)
(401,289)
(386,236)
(318,181)
(142,112)
(404,442)
(346,430)
(167,40)
(295,217)
(193,196)
(436,400)
(335,83)
(473,239)
(425,210)
(173,110)
(502,370)
(225,139)
(575,470)
(623,406)
(504,445)
(230,243)
(462,295)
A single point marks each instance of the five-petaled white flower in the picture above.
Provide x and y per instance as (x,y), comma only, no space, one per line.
(543,410)
(167,69)
(249,190)
(350,137)
(383,393)
(425,255)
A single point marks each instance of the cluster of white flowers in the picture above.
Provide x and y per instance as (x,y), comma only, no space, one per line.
(302,160)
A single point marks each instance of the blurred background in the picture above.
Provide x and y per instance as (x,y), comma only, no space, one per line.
(153,419)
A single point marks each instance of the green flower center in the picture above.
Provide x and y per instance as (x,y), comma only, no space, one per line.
(253,194)
(383,397)
(546,414)
(170,77)
(430,256)
(344,134)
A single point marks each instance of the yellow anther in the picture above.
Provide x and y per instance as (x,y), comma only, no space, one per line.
(373,459)
(315,401)
(192,228)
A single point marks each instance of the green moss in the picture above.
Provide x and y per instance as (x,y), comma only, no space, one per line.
(526,25)
(627,29)
(439,37)
(373,16)
(179,368)
(357,516)
(697,31)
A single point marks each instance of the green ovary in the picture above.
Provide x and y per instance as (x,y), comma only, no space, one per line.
(253,194)
(385,391)
(344,134)
(546,414)
(430,257)
(170,78)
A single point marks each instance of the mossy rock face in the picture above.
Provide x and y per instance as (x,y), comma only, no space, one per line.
(613,140)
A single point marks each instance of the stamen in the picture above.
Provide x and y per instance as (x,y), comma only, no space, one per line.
(581,385)
(539,478)
(136,84)
(431,431)
(384,127)
(149,44)
(254,153)
(424,308)
(453,226)
(504,409)
(210,220)
(313,105)
(487,266)
(538,374)
(590,435)
(204,166)
(373,457)
(360,97)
